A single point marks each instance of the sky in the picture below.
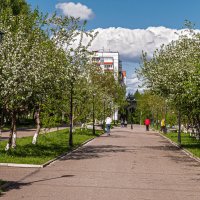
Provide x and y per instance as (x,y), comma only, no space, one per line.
(128,26)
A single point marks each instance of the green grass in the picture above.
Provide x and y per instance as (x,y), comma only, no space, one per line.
(187,142)
(49,146)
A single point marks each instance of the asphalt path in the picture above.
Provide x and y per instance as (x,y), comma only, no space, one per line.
(129,165)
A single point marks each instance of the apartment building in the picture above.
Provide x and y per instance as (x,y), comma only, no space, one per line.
(110,61)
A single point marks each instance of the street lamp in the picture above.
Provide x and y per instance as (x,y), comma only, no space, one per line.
(131,100)
(111,108)
(131,120)
(1,36)
(93,116)
(114,115)
(179,127)
(104,110)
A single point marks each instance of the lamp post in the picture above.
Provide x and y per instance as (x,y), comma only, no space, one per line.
(157,120)
(132,103)
(132,110)
(104,108)
(165,131)
(179,127)
(114,115)
(93,116)
(111,108)
(131,120)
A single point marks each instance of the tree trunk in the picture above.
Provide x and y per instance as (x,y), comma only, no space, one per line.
(71,118)
(13,133)
(157,120)
(93,117)
(37,120)
(1,122)
(198,127)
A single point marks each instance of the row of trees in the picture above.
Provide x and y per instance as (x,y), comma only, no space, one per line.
(43,73)
(173,73)
(149,105)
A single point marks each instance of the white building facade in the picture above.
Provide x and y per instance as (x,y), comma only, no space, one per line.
(110,61)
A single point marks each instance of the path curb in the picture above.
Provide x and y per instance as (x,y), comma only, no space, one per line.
(48,162)
(191,155)
(8,184)
(20,165)
(67,153)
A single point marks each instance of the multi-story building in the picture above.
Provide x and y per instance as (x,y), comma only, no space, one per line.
(110,61)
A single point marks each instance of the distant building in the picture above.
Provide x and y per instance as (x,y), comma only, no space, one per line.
(110,61)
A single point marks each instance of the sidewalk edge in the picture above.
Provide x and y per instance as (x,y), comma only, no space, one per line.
(48,162)
(191,155)
(20,165)
(68,153)
(8,184)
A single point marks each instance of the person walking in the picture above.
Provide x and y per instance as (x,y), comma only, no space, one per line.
(147,122)
(163,126)
(108,123)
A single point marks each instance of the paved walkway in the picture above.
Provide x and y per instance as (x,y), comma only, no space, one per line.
(128,165)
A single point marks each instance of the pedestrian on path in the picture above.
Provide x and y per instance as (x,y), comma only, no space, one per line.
(147,122)
(163,126)
(108,124)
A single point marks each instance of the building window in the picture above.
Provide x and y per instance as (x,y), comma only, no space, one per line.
(108,66)
(95,59)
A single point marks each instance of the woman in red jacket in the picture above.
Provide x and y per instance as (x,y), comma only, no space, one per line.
(147,123)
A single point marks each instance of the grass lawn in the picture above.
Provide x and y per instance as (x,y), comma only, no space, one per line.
(187,142)
(49,146)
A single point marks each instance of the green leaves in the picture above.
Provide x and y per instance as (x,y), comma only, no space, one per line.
(173,73)
(42,58)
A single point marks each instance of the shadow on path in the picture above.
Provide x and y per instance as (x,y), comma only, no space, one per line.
(163,148)
(177,155)
(19,185)
(89,152)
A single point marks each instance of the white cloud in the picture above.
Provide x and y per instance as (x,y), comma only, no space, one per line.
(131,42)
(132,84)
(75,10)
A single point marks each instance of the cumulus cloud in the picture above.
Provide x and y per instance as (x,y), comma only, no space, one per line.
(131,42)
(75,10)
(132,81)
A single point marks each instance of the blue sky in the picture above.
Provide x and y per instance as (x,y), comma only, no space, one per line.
(129,26)
(133,13)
